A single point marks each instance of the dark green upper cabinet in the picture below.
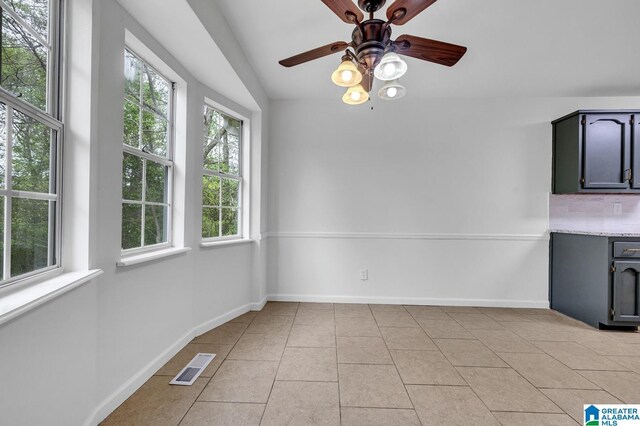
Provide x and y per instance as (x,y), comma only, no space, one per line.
(596,152)
(635,151)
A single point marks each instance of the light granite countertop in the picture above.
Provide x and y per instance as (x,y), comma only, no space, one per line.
(596,233)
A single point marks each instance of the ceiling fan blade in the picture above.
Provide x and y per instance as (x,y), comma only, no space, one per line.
(319,52)
(345,9)
(429,50)
(407,10)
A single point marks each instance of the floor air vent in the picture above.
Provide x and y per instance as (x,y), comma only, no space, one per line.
(192,371)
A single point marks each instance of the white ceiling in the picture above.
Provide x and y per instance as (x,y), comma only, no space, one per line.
(516,47)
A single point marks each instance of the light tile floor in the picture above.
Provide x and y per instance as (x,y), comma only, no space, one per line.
(314,363)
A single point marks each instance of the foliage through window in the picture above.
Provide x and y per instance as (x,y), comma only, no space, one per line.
(30,137)
(222,178)
(147,166)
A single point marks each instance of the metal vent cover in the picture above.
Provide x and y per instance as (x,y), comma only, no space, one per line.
(192,371)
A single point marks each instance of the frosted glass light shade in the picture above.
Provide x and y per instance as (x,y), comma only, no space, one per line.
(392,90)
(391,67)
(355,95)
(347,74)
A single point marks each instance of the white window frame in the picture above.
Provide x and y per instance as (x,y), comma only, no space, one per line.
(240,178)
(167,162)
(52,119)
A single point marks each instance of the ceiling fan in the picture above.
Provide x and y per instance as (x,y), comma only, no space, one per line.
(373,53)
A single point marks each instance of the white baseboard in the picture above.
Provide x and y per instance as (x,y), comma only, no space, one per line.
(217,321)
(114,400)
(542,304)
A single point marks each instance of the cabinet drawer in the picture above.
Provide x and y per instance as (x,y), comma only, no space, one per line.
(626,249)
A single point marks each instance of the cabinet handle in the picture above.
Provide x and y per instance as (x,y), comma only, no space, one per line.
(631,250)
(627,174)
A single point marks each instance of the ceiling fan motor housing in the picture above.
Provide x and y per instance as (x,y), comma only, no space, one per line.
(370,41)
(370,6)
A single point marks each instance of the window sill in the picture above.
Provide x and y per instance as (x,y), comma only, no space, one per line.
(19,301)
(224,243)
(148,257)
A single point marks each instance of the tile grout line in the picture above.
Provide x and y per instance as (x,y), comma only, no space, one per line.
(404,386)
(223,361)
(279,363)
(524,378)
(458,371)
(394,361)
(461,376)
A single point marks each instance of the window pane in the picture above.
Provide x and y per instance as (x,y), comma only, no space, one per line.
(29,235)
(230,190)
(3,142)
(131,124)
(233,128)
(213,122)
(155,225)
(31,152)
(224,158)
(35,13)
(131,177)
(156,182)
(131,76)
(131,225)
(210,222)
(154,134)
(155,91)
(229,222)
(210,191)
(23,63)
(212,155)
(233,161)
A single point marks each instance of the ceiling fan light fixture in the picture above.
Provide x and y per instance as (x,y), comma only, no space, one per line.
(391,67)
(346,75)
(355,95)
(392,90)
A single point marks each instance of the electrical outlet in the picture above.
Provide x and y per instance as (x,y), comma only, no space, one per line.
(364,274)
(617,209)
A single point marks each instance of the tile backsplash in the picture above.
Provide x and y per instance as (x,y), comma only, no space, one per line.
(595,213)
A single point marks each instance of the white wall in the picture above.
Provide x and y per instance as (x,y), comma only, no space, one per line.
(75,359)
(442,200)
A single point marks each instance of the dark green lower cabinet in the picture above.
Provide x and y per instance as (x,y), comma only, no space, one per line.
(626,291)
(596,279)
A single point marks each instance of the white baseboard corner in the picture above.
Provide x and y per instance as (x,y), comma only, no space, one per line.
(493,303)
(258,306)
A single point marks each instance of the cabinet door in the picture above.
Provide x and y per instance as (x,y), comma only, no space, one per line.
(606,144)
(635,151)
(626,291)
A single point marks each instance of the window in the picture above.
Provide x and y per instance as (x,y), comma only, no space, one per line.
(30,138)
(147,167)
(222,176)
